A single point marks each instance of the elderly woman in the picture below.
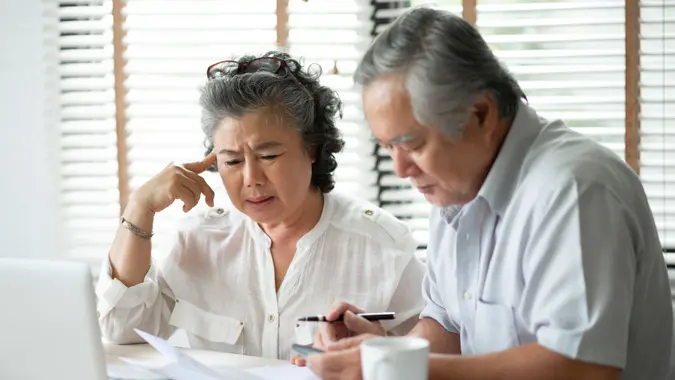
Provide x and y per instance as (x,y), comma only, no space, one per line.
(237,280)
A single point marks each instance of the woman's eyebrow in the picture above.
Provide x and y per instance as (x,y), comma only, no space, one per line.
(267,145)
(229,152)
(261,146)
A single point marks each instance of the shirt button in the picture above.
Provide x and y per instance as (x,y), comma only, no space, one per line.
(467,236)
(468,296)
(270,318)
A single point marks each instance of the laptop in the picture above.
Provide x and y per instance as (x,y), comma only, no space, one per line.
(48,323)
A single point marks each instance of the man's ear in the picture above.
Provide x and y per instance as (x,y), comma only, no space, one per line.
(486,111)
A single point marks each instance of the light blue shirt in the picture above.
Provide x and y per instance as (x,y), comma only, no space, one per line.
(560,248)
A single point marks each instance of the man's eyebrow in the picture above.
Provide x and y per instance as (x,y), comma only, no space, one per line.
(396,140)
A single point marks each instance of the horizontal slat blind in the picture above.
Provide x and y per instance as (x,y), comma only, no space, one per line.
(396,194)
(334,34)
(569,58)
(169,45)
(657,119)
(90,200)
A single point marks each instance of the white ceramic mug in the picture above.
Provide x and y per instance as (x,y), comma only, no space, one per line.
(395,358)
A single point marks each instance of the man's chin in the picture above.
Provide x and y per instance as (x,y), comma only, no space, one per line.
(434,200)
(438,200)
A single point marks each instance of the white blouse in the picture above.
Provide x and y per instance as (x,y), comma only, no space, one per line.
(217,282)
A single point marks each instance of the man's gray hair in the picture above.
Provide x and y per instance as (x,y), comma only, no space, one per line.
(447,66)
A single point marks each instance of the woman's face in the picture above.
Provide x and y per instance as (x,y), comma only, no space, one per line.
(264,166)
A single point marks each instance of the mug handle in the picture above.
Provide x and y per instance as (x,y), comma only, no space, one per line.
(376,367)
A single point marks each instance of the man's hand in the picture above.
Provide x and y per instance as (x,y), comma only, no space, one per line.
(351,325)
(339,365)
(341,361)
(333,332)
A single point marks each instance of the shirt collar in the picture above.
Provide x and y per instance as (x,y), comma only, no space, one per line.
(450,214)
(505,174)
(306,240)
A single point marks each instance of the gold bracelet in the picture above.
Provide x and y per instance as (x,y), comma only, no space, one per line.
(134,228)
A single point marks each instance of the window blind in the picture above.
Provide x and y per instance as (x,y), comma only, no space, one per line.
(334,34)
(657,118)
(169,45)
(569,58)
(88,153)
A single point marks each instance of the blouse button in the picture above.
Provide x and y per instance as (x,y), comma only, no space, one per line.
(270,318)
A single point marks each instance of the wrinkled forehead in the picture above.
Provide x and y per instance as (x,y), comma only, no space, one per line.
(253,128)
(268,119)
(388,109)
(385,91)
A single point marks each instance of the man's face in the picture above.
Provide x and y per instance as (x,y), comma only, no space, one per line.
(446,171)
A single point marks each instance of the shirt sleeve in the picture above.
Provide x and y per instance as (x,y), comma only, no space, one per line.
(112,293)
(146,306)
(434,308)
(579,269)
(406,301)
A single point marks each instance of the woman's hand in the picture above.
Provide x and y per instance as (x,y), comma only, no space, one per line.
(130,255)
(173,183)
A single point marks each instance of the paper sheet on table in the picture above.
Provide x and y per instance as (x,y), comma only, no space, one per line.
(284,372)
(131,372)
(182,367)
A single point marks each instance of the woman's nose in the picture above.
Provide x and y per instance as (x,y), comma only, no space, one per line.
(253,175)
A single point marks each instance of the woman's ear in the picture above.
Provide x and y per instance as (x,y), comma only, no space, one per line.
(313,152)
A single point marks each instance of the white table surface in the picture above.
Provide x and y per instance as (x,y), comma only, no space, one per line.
(145,352)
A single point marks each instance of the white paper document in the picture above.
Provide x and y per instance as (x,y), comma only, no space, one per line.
(131,371)
(284,372)
(183,367)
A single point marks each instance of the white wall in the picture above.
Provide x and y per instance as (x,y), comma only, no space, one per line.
(28,134)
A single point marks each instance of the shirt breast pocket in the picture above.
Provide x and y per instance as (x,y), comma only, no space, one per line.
(216,332)
(494,328)
(304,332)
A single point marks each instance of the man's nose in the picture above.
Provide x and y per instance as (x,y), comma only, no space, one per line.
(404,166)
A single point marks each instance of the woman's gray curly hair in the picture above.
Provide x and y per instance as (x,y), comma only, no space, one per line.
(308,106)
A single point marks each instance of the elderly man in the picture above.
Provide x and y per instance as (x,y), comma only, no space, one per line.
(544,260)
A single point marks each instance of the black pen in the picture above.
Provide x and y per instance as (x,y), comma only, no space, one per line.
(368,316)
